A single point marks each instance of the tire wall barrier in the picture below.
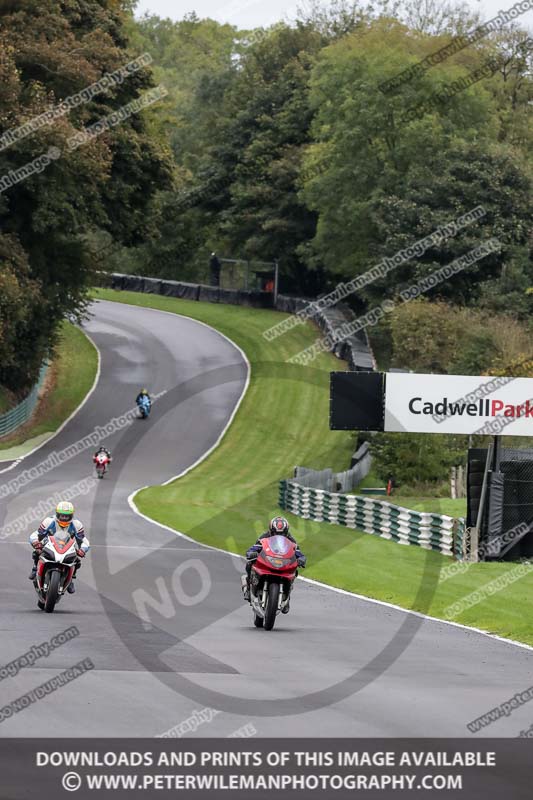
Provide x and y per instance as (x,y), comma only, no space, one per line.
(404,526)
(354,349)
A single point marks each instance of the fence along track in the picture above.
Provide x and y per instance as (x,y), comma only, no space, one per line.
(17,416)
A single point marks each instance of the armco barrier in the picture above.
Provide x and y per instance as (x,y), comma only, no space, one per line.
(355,349)
(430,531)
(15,417)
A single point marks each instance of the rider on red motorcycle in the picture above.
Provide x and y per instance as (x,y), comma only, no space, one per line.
(65,519)
(103,450)
(278,527)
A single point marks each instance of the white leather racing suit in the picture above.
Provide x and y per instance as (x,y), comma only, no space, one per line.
(49,525)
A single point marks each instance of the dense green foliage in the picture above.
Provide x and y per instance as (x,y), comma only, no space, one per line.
(270,144)
(416,458)
(437,337)
(49,50)
(288,148)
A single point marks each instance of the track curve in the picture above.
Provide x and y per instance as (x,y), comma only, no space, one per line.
(196,643)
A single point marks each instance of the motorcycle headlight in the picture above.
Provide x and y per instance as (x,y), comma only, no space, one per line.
(48,553)
(69,559)
(276,561)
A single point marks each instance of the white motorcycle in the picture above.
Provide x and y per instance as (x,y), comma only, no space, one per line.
(55,568)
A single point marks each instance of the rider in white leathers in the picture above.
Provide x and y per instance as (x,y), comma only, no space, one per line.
(64,518)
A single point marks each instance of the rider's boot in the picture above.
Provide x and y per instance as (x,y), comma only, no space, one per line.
(33,573)
(71,588)
(245,586)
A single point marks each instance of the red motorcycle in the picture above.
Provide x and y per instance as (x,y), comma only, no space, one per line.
(271,579)
(101,461)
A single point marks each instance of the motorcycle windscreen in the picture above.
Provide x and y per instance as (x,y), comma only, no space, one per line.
(62,535)
(279,545)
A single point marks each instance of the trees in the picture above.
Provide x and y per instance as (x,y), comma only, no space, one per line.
(288,148)
(432,193)
(51,50)
(195,59)
(19,300)
(438,337)
(284,146)
(416,458)
(380,179)
(260,146)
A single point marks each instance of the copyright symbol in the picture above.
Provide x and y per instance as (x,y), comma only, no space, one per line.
(71,781)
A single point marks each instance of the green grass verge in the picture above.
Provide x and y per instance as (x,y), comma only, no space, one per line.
(73,372)
(437,505)
(283,421)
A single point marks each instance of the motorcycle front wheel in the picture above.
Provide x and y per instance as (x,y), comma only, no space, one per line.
(52,594)
(271,606)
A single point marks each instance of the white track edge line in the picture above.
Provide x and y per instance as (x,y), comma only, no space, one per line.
(237,405)
(78,408)
(131,503)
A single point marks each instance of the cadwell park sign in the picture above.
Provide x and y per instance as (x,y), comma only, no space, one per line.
(462,404)
(458,404)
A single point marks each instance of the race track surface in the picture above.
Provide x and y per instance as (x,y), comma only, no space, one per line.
(162,618)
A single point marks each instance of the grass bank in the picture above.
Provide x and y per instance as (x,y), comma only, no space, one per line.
(69,379)
(283,421)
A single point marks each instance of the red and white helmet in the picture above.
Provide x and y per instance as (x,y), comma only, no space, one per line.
(279,525)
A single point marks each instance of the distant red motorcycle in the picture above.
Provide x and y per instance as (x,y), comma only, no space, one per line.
(271,579)
(101,461)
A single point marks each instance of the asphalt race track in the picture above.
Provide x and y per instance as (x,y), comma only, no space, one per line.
(335,666)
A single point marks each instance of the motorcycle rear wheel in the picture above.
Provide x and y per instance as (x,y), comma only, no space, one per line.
(40,604)
(271,606)
(258,621)
(52,595)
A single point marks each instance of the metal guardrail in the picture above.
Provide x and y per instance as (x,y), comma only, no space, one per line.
(15,417)
(337,481)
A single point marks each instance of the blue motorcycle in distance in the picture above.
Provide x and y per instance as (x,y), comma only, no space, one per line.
(145,405)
